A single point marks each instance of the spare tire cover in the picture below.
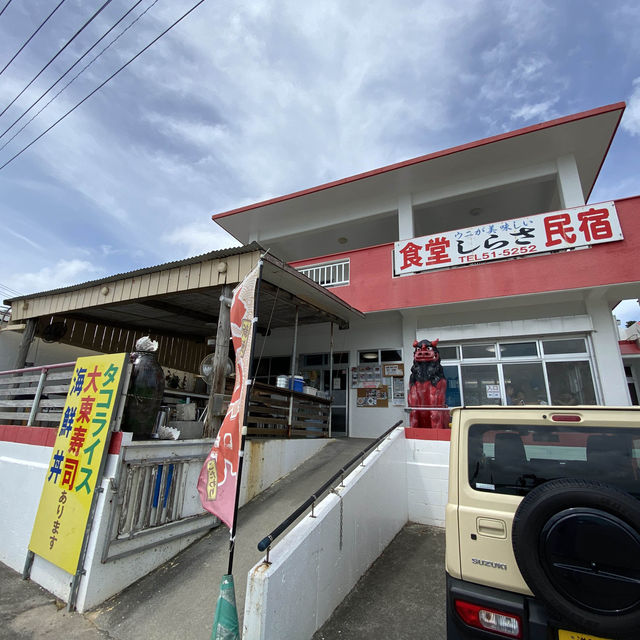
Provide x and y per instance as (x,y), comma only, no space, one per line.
(577,544)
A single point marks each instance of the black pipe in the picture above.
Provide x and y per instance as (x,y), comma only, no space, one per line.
(266,541)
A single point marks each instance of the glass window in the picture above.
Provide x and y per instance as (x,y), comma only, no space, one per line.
(314,360)
(570,345)
(341,358)
(518,349)
(515,459)
(448,353)
(480,384)
(524,383)
(570,383)
(479,350)
(391,355)
(452,398)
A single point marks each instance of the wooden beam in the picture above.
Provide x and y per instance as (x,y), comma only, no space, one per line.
(179,311)
(25,343)
(213,422)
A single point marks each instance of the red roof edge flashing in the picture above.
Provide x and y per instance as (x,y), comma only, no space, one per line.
(437,154)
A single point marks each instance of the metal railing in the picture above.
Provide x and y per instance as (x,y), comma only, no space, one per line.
(265,543)
(152,495)
(34,394)
(328,274)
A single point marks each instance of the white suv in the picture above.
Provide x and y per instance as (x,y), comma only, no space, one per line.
(543,523)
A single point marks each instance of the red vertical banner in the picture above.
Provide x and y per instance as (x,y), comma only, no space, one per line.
(218,480)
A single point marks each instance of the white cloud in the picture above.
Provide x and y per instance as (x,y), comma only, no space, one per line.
(200,237)
(627,310)
(61,274)
(631,119)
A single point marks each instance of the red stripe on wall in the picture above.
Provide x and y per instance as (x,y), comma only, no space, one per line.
(45,436)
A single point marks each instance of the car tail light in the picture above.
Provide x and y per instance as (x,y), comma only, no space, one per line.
(565,417)
(505,623)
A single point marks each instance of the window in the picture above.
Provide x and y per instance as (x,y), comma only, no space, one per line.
(328,274)
(269,368)
(376,356)
(478,350)
(518,349)
(573,345)
(570,383)
(543,371)
(513,459)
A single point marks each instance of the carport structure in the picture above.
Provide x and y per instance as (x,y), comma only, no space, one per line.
(180,304)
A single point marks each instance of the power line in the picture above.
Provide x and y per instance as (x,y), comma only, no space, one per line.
(75,35)
(5,6)
(31,36)
(106,33)
(35,115)
(113,75)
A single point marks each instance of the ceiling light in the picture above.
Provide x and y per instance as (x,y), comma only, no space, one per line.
(342,240)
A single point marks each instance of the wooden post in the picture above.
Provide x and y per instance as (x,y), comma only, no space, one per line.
(220,356)
(27,339)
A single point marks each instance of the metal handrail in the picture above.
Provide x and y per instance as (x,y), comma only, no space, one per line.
(39,368)
(265,543)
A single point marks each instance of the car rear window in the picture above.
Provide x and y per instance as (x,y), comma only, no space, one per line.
(515,459)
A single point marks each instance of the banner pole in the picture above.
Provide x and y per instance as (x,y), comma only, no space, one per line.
(249,382)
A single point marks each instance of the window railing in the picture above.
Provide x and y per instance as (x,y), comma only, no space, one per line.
(328,274)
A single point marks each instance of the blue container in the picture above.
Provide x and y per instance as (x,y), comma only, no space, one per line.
(298,383)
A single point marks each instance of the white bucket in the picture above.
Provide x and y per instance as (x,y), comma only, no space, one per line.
(282,381)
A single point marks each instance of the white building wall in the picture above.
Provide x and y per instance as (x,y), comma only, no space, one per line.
(427,480)
(608,363)
(40,352)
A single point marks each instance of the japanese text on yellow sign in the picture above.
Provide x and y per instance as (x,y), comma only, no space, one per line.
(76,459)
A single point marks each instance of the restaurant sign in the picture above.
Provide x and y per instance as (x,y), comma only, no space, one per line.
(73,471)
(518,237)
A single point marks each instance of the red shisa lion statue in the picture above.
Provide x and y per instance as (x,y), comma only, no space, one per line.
(427,386)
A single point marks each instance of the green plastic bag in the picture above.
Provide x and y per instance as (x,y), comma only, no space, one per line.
(225,622)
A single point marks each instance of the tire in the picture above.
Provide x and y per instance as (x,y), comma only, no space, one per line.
(577,545)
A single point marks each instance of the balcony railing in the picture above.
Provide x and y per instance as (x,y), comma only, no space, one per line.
(328,274)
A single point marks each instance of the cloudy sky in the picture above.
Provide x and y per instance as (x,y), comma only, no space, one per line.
(243,101)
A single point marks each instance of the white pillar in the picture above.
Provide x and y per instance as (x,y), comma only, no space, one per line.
(409,331)
(571,194)
(608,361)
(405,217)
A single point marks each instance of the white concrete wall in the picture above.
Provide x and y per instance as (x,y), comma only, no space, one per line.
(310,574)
(22,473)
(266,461)
(40,352)
(427,480)
(608,363)
(23,468)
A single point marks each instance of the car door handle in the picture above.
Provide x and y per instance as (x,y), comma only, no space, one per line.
(491,527)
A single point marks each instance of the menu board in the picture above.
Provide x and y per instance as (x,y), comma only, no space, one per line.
(373,397)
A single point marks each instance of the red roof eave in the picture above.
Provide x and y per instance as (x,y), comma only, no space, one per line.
(629,348)
(437,154)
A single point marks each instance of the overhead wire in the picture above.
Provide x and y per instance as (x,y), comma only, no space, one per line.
(95,44)
(28,122)
(5,6)
(31,36)
(113,75)
(46,66)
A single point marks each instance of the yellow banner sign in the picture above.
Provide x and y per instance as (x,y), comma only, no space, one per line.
(76,460)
